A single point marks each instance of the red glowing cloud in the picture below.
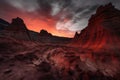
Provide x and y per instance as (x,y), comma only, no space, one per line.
(34,20)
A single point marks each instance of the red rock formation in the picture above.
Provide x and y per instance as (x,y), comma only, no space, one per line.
(18,25)
(17,29)
(103,30)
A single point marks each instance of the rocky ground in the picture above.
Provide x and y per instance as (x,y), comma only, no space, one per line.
(25,60)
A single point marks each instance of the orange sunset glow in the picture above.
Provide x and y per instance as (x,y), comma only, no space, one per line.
(37,24)
(49,25)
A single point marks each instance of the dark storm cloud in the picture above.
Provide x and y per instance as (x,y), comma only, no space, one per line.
(76,12)
(81,10)
(67,9)
(7,11)
(52,7)
(45,6)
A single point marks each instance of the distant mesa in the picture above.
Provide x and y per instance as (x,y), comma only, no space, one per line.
(44,33)
(17,21)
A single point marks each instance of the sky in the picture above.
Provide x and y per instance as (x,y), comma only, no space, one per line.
(59,17)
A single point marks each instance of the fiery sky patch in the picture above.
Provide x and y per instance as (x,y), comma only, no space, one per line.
(59,17)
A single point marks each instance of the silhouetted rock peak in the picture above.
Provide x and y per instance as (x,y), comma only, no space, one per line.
(44,33)
(76,35)
(17,21)
(105,7)
(17,29)
(18,24)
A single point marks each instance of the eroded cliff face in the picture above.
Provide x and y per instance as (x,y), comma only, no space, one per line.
(16,29)
(103,30)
